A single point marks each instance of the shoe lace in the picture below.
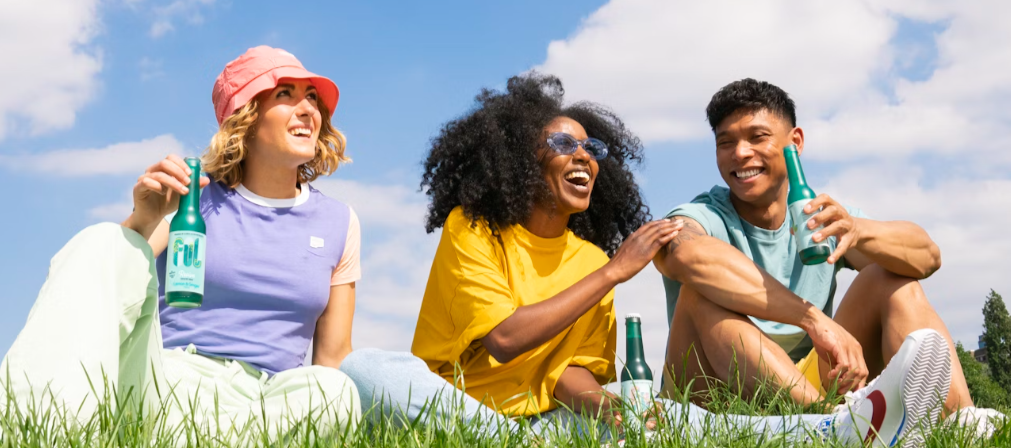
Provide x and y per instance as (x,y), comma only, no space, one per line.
(853,397)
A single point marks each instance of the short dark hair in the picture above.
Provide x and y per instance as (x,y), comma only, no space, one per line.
(486,162)
(751,96)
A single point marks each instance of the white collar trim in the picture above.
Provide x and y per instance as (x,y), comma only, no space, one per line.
(274,203)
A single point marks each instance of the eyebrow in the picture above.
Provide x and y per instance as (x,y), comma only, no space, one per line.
(292,86)
(751,128)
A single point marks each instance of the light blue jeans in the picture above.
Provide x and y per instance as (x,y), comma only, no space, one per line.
(400,385)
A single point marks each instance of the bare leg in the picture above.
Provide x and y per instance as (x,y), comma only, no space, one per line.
(713,339)
(880,309)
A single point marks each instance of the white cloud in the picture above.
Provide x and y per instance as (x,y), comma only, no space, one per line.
(50,66)
(965,217)
(116,159)
(658,62)
(166,16)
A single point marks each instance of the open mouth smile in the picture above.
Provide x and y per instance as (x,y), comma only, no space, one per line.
(301,131)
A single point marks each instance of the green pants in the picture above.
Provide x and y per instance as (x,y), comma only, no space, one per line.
(97,317)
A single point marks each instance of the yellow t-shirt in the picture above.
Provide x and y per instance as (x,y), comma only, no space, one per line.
(477,282)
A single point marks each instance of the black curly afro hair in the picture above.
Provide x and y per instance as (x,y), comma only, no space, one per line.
(487,162)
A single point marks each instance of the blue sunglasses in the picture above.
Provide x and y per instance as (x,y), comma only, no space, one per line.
(563,143)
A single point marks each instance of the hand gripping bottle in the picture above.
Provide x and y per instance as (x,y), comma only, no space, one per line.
(187,246)
(636,378)
(800,194)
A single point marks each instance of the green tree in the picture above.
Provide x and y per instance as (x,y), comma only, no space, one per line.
(984,391)
(997,336)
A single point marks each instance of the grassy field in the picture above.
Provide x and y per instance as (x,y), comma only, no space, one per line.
(125,426)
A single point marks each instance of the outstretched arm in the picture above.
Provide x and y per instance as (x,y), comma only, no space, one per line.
(532,325)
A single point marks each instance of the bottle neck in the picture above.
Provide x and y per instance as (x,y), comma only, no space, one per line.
(793,168)
(633,342)
(191,201)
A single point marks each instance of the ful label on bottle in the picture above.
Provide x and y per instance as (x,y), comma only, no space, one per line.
(799,229)
(184,266)
(637,396)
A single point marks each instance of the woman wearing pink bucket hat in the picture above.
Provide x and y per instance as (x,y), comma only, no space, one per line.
(281,269)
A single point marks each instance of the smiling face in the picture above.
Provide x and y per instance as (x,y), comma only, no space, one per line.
(749,154)
(569,177)
(288,125)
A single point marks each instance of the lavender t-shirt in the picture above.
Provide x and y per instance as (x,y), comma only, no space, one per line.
(268,270)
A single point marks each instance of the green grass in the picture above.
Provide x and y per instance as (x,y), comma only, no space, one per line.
(127,425)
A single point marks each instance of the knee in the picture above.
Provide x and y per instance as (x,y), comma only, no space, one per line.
(332,383)
(893,286)
(359,363)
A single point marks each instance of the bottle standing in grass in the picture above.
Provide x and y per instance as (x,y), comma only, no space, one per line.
(800,194)
(636,378)
(184,264)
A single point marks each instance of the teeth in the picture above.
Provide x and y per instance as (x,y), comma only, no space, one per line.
(300,131)
(579,174)
(749,173)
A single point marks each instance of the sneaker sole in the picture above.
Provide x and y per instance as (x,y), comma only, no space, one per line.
(928,379)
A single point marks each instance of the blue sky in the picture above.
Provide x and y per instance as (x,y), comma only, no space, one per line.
(896,122)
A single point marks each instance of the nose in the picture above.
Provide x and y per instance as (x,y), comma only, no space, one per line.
(581,154)
(743,151)
(304,107)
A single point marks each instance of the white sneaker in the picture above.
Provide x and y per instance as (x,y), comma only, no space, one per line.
(910,392)
(981,421)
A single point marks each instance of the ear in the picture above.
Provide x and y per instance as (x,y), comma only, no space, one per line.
(797,138)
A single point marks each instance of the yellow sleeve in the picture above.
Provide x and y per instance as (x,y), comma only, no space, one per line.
(596,352)
(468,293)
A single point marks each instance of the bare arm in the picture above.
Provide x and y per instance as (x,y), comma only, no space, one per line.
(159,238)
(332,341)
(578,389)
(900,247)
(725,276)
(532,325)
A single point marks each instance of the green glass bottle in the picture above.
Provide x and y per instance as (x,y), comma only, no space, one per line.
(800,194)
(636,378)
(184,263)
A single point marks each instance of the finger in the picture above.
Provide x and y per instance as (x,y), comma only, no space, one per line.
(820,201)
(826,215)
(170,182)
(840,249)
(837,229)
(662,227)
(204,181)
(181,163)
(172,168)
(147,183)
(645,228)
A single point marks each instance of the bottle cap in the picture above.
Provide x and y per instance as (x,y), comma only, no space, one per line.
(633,315)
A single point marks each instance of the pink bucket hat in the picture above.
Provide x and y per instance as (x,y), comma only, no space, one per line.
(260,69)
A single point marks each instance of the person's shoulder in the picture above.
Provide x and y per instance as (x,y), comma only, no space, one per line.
(459,222)
(322,201)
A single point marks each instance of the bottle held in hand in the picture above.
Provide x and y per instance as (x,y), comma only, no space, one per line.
(636,378)
(184,264)
(800,194)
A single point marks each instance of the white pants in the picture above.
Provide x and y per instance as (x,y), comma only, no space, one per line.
(96,322)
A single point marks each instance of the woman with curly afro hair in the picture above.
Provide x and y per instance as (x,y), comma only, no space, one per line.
(541,219)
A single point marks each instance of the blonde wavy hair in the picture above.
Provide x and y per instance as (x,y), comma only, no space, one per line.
(228,148)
